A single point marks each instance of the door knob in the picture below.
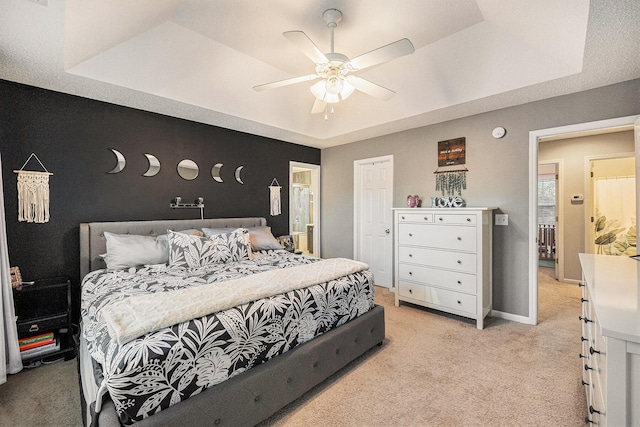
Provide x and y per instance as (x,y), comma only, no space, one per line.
(387,231)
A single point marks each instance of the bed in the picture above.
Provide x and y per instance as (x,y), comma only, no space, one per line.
(258,384)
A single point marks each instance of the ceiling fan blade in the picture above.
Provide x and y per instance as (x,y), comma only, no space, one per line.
(370,88)
(286,82)
(318,106)
(383,54)
(304,43)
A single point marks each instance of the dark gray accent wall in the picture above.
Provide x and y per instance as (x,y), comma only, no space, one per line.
(73,136)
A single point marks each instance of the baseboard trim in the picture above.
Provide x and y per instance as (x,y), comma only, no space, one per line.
(511,317)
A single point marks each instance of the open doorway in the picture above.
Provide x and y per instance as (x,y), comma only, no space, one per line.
(575,213)
(612,206)
(304,207)
(548,215)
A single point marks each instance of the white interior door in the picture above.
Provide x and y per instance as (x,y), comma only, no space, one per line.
(373,192)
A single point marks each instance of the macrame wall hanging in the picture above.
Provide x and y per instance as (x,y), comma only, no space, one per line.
(274,198)
(33,193)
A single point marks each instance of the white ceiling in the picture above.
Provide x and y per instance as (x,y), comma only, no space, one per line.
(199,59)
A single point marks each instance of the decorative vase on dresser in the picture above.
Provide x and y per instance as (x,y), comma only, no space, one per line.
(610,354)
(442,259)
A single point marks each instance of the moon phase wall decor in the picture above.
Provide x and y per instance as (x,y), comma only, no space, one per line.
(215,172)
(120,162)
(188,169)
(238,178)
(154,165)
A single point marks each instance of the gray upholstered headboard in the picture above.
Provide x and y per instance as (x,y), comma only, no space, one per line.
(93,243)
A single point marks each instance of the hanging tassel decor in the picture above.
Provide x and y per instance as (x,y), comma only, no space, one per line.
(274,198)
(33,194)
(451,182)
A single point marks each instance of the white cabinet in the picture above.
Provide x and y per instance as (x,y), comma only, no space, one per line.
(442,259)
(611,339)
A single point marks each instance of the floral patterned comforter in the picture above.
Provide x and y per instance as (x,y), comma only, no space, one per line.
(165,367)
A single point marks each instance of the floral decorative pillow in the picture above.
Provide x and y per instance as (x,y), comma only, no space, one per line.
(194,251)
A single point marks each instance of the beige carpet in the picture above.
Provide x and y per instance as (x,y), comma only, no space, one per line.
(432,370)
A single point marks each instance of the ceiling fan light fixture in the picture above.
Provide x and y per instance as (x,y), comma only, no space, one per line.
(325,90)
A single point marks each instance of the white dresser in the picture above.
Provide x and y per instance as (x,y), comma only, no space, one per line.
(611,339)
(442,259)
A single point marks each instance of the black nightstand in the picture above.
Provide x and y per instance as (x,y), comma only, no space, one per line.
(45,307)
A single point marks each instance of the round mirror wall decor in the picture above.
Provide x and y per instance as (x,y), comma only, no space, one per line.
(188,169)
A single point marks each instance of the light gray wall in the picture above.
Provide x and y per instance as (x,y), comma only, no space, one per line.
(573,152)
(498,174)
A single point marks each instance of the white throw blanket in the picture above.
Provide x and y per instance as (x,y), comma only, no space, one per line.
(137,315)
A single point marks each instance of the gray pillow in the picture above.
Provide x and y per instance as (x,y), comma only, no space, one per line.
(131,250)
(208,232)
(262,239)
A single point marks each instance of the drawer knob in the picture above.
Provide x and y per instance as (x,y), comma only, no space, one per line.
(468,219)
(410,273)
(410,291)
(410,235)
(581,284)
(591,350)
(582,356)
(588,421)
(584,300)
(585,383)
(460,238)
(440,219)
(459,282)
(458,302)
(410,255)
(34,328)
(584,339)
(459,262)
(426,218)
(402,217)
(592,410)
(585,319)
(588,368)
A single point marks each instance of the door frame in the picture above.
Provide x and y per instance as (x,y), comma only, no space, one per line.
(534,136)
(558,260)
(357,164)
(315,188)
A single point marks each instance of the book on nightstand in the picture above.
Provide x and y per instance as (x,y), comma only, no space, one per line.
(41,350)
(35,338)
(37,344)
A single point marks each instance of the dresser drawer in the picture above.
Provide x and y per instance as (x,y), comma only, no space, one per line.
(458,261)
(435,236)
(461,282)
(454,219)
(415,217)
(411,290)
(449,299)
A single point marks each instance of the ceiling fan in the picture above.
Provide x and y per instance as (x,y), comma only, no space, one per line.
(336,70)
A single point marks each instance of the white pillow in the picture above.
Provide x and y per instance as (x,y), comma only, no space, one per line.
(131,250)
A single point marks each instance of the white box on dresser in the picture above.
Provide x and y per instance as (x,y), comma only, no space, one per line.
(442,259)
(611,339)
